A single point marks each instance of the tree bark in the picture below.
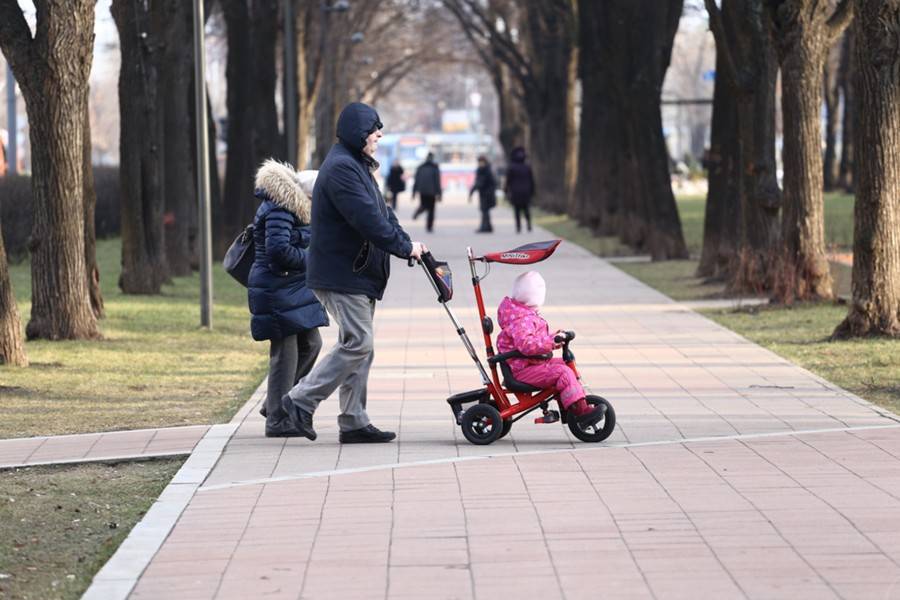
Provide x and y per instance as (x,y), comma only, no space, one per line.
(875,309)
(845,171)
(89,195)
(832,92)
(267,140)
(176,77)
(141,147)
(804,31)
(52,69)
(721,222)
(12,346)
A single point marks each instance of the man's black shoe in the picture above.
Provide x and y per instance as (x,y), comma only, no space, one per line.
(300,419)
(367,435)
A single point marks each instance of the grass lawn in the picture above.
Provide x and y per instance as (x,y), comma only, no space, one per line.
(61,524)
(869,368)
(155,366)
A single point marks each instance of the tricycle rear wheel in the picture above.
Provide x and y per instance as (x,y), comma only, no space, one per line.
(482,424)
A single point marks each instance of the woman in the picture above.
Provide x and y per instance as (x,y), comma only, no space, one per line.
(519,186)
(486,185)
(284,310)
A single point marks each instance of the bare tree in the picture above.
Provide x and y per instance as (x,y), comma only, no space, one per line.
(875,309)
(831,83)
(624,183)
(744,42)
(804,31)
(845,78)
(538,48)
(52,69)
(177,107)
(721,222)
(141,165)
(252,133)
(89,194)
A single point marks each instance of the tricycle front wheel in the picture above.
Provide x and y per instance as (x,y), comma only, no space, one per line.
(598,431)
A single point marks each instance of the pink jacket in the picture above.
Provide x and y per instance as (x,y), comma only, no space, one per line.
(523,329)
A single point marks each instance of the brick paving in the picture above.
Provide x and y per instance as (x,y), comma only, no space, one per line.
(92,447)
(732,473)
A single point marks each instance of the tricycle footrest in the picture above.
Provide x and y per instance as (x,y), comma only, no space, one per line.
(456,401)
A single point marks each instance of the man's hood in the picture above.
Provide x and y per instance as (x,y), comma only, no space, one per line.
(356,122)
(287,188)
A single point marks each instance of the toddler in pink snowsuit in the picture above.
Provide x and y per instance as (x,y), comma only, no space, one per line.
(523,329)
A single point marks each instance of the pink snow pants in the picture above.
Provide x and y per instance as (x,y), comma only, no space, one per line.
(553,372)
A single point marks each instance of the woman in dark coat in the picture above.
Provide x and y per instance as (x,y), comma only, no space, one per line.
(519,186)
(284,310)
(486,186)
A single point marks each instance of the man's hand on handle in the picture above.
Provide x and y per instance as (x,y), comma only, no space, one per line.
(418,249)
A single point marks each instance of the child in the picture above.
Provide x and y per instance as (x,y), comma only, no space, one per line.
(523,329)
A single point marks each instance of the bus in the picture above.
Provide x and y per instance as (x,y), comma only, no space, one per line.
(456,154)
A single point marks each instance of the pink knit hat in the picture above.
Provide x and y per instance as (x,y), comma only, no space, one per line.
(529,289)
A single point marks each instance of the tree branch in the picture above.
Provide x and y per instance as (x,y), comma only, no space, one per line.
(839,20)
(15,40)
(717,25)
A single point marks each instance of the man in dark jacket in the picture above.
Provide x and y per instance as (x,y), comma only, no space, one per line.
(353,235)
(428,185)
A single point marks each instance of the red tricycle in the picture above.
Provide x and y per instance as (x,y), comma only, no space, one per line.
(491,412)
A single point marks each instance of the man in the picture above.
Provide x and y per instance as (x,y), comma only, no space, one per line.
(353,235)
(486,186)
(428,185)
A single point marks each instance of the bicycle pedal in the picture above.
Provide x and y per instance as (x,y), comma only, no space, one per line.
(551,416)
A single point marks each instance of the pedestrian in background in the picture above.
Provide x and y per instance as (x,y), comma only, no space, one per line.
(395,183)
(428,185)
(486,186)
(284,311)
(519,187)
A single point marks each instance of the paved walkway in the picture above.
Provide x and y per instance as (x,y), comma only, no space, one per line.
(92,447)
(731,474)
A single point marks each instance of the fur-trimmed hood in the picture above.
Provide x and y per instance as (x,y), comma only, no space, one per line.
(287,188)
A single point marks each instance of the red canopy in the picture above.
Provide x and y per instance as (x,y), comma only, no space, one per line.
(524,255)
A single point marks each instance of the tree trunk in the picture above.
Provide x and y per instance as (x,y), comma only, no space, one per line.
(875,309)
(267,142)
(12,347)
(141,147)
(746,48)
(642,35)
(596,197)
(803,36)
(250,98)
(549,38)
(52,69)
(514,129)
(845,171)
(176,76)
(832,91)
(89,195)
(721,222)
